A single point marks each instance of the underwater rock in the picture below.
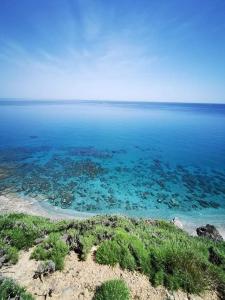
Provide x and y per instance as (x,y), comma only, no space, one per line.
(209,231)
(5,173)
(203,203)
(214,204)
(206,204)
(90,152)
(84,178)
(33,136)
(173,203)
(66,199)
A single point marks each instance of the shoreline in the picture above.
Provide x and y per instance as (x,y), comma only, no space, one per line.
(31,206)
(14,204)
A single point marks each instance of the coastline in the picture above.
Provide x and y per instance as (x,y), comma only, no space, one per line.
(15,204)
(31,206)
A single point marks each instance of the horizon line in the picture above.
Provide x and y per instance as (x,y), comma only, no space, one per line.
(107,100)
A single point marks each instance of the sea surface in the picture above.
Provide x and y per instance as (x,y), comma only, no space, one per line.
(138,159)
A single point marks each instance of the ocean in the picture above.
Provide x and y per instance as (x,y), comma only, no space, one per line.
(151,160)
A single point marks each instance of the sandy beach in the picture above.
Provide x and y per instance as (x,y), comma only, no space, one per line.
(34,207)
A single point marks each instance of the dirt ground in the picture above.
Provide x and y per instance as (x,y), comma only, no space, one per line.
(79,280)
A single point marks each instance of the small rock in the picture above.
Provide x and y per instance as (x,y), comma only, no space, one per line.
(3,259)
(44,269)
(177,223)
(209,231)
(38,241)
(67,293)
(169,295)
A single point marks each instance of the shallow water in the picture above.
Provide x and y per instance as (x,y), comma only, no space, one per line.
(149,160)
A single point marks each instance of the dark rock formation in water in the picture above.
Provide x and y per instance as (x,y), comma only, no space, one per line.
(209,231)
(96,180)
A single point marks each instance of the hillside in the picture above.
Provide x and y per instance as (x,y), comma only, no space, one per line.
(71,259)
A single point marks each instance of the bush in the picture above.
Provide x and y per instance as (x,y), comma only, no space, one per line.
(20,231)
(13,255)
(86,242)
(10,252)
(112,290)
(177,266)
(52,249)
(9,289)
(125,249)
(108,253)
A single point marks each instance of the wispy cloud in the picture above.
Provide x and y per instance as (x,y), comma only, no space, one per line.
(90,50)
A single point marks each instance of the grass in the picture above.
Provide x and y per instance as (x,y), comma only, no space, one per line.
(112,290)
(166,254)
(9,289)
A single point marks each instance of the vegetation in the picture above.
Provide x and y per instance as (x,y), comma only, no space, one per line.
(166,254)
(112,290)
(125,249)
(52,249)
(9,289)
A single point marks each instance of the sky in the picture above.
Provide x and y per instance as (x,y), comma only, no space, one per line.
(142,50)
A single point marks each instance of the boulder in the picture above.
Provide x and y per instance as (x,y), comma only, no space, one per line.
(209,231)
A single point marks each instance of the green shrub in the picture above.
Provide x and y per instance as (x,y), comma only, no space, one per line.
(141,255)
(86,242)
(112,290)
(177,266)
(21,238)
(125,249)
(21,230)
(9,289)
(52,249)
(13,255)
(108,253)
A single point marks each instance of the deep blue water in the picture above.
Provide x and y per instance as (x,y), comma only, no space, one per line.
(154,160)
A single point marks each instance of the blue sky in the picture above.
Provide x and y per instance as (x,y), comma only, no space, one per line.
(168,50)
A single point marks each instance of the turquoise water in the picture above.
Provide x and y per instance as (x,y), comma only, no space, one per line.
(139,159)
